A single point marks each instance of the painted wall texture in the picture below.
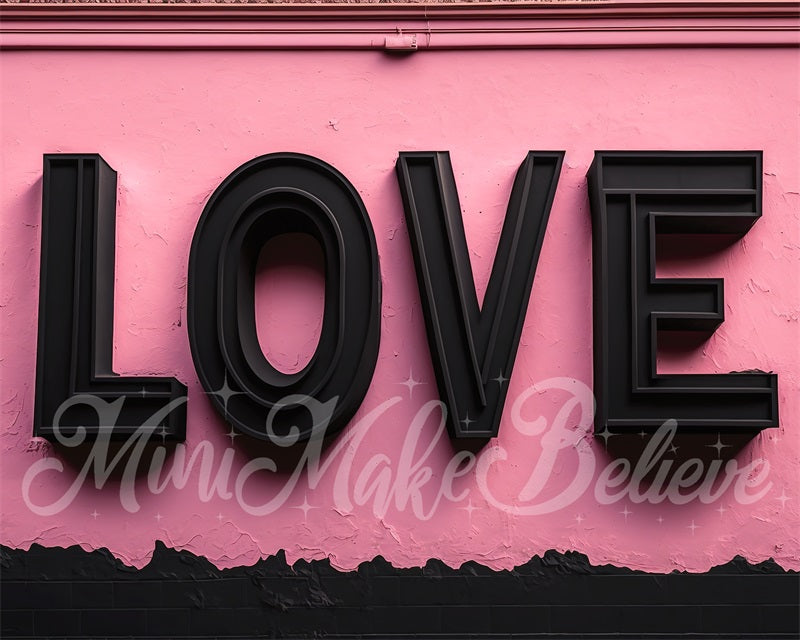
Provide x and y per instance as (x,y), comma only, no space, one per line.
(174,124)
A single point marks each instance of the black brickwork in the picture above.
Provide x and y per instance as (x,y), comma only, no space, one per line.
(70,593)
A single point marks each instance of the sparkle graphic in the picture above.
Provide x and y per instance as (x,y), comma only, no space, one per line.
(673,449)
(467,422)
(94,514)
(720,509)
(232,434)
(500,379)
(143,392)
(783,498)
(163,433)
(305,507)
(718,445)
(158,517)
(579,518)
(605,435)
(220,518)
(469,509)
(693,527)
(225,393)
(626,513)
(642,434)
(410,382)
(660,519)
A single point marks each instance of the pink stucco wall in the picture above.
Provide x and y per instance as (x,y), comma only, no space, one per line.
(174,124)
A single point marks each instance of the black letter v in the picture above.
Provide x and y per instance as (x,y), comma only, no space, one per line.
(473,350)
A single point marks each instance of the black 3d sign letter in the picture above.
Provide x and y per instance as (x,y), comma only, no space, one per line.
(473,349)
(268,196)
(76,310)
(635,196)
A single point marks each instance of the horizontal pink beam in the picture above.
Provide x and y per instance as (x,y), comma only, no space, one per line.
(312,41)
(545,25)
(393,11)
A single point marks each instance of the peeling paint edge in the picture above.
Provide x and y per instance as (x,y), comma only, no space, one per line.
(567,562)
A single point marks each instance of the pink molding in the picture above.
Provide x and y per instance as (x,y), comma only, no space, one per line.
(618,24)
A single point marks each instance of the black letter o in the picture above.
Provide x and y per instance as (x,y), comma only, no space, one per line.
(268,196)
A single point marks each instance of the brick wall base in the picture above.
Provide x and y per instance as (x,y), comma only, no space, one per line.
(54,592)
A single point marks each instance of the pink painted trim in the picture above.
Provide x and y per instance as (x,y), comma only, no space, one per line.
(587,9)
(543,25)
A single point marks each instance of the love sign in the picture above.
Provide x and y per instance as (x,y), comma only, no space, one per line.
(634,197)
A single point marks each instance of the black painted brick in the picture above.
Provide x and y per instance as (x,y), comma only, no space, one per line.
(57,595)
(731,589)
(223,592)
(277,592)
(419,590)
(16,623)
(466,619)
(569,589)
(14,594)
(628,590)
(168,622)
(521,620)
(224,622)
(498,590)
(353,621)
(137,595)
(405,620)
(781,619)
(346,590)
(598,618)
(655,618)
(732,619)
(52,622)
(387,588)
(114,622)
(183,593)
(308,622)
(92,595)
(179,595)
